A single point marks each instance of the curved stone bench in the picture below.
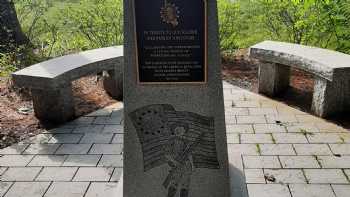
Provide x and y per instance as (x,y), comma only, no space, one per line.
(331,71)
(50,81)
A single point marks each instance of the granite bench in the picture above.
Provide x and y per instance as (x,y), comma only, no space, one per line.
(50,81)
(331,71)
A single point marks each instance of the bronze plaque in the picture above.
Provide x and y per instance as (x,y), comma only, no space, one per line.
(171,40)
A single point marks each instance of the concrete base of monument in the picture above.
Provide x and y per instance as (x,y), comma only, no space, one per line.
(238,187)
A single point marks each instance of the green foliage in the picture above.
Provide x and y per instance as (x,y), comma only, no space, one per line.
(7,64)
(228,31)
(61,27)
(17,59)
(322,23)
(58,27)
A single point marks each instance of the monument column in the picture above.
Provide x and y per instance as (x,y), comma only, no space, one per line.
(175,139)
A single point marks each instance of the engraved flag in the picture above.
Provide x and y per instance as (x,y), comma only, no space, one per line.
(157,124)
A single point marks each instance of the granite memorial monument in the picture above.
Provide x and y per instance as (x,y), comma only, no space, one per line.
(175,139)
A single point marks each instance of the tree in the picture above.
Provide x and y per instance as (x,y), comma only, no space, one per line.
(11,34)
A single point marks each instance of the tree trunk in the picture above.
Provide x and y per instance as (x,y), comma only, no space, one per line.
(11,34)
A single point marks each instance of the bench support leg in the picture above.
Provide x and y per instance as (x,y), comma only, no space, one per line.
(113,84)
(329,97)
(54,105)
(273,78)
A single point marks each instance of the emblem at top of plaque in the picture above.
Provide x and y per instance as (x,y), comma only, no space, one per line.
(170,13)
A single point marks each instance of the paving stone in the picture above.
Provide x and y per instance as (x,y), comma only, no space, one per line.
(344,137)
(256,138)
(4,186)
(106,149)
(89,129)
(284,176)
(60,130)
(312,149)
(116,174)
(118,139)
(268,190)
(233,111)
(73,149)
(232,138)
(299,162)
(113,129)
(20,174)
(57,174)
(281,119)
(262,111)
(288,138)
(46,149)
(108,120)
(347,172)
(117,112)
(254,176)
(302,128)
(15,149)
(250,119)
(230,120)
(269,103)
(308,118)
(334,162)
(48,160)
(253,96)
(341,190)
(67,189)
(101,189)
(269,128)
(329,127)
(324,138)
(82,121)
(40,138)
(96,138)
(65,138)
(101,112)
(276,149)
(2,170)
(15,160)
(342,149)
(242,103)
(325,176)
(111,161)
(28,189)
(227,92)
(286,110)
(93,174)
(236,163)
(311,190)
(243,149)
(82,160)
(288,118)
(228,103)
(68,126)
(261,162)
(239,128)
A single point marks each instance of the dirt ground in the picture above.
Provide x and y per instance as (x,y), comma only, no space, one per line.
(17,120)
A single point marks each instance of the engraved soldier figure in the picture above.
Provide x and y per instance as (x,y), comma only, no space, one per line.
(178,154)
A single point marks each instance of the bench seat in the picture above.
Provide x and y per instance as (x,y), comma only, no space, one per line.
(331,71)
(50,81)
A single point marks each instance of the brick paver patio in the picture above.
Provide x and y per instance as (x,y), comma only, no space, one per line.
(274,151)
